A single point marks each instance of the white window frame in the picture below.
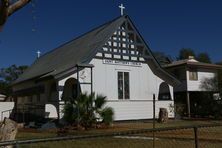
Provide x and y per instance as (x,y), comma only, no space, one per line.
(124,97)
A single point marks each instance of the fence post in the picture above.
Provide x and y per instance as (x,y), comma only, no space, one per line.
(154,118)
(2,116)
(196,137)
(16,145)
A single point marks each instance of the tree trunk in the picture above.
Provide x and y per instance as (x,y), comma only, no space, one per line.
(8,130)
(163,115)
(7,9)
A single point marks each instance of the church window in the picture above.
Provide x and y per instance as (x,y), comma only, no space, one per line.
(123,85)
(164,92)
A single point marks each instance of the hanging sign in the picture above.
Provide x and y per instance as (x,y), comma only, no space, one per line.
(119,62)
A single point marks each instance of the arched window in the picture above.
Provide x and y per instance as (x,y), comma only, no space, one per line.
(164,92)
(70,91)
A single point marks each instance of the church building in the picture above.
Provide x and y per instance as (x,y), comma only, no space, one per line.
(113,60)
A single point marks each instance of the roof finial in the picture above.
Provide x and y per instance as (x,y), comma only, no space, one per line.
(122,9)
(38,53)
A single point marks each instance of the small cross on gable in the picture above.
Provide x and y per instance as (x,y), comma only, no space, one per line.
(38,54)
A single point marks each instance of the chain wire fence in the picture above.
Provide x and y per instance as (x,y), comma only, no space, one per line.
(202,136)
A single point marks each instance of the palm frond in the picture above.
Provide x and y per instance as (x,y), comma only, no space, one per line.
(100,101)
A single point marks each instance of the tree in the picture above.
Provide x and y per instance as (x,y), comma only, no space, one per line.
(220,80)
(7,9)
(11,73)
(162,58)
(87,110)
(209,84)
(8,75)
(207,104)
(184,53)
(203,57)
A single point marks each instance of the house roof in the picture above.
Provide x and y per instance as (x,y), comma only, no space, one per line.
(193,63)
(2,97)
(79,51)
(71,53)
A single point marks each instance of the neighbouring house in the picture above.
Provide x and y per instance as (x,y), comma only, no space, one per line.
(197,79)
(2,97)
(5,107)
(113,60)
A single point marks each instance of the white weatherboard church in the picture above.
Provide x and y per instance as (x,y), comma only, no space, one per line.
(112,60)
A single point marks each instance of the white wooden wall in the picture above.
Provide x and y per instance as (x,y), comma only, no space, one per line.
(5,106)
(202,74)
(143,84)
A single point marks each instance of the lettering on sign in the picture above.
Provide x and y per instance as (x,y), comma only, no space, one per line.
(118,62)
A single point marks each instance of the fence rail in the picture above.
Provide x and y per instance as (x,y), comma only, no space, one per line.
(191,135)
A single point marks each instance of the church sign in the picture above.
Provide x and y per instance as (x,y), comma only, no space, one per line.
(118,62)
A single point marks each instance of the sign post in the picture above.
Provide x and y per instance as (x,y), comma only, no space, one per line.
(154,119)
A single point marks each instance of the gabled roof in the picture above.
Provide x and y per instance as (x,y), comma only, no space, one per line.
(81,50)
(71,53)
(192,63)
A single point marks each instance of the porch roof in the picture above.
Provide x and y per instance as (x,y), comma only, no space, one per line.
(188,62)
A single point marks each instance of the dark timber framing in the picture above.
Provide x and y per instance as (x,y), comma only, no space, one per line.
(133,50)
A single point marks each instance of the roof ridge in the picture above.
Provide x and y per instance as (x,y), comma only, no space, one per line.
(50,54)
(77,37)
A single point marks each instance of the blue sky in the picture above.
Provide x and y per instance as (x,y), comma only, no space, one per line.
(166,26)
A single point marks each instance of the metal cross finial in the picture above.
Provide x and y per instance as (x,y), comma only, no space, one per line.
(38,53)
(122,9)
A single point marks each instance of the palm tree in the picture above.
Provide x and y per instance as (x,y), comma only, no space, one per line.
(88,110)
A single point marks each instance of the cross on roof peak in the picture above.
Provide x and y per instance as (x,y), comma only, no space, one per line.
(38,53)
(122,9)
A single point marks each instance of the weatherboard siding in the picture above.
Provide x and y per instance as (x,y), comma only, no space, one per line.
(135,110)
(5,106)
(143,84)
(195,85)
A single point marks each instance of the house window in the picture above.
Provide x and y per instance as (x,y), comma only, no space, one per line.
(193,75)
(123,85)
(164,92)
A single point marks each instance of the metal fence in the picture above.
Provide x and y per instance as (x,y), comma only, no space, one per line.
(202,136)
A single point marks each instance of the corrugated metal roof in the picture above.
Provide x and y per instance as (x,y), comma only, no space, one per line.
(68,55)
(80,51)
(192,63)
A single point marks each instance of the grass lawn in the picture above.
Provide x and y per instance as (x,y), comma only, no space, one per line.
(208,137)
(123,143)
(117,127)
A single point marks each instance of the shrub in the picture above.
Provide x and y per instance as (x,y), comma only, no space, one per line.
(87,110)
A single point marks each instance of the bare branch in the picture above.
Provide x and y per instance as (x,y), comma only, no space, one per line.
(7,9)
(16,6)
(3,11)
